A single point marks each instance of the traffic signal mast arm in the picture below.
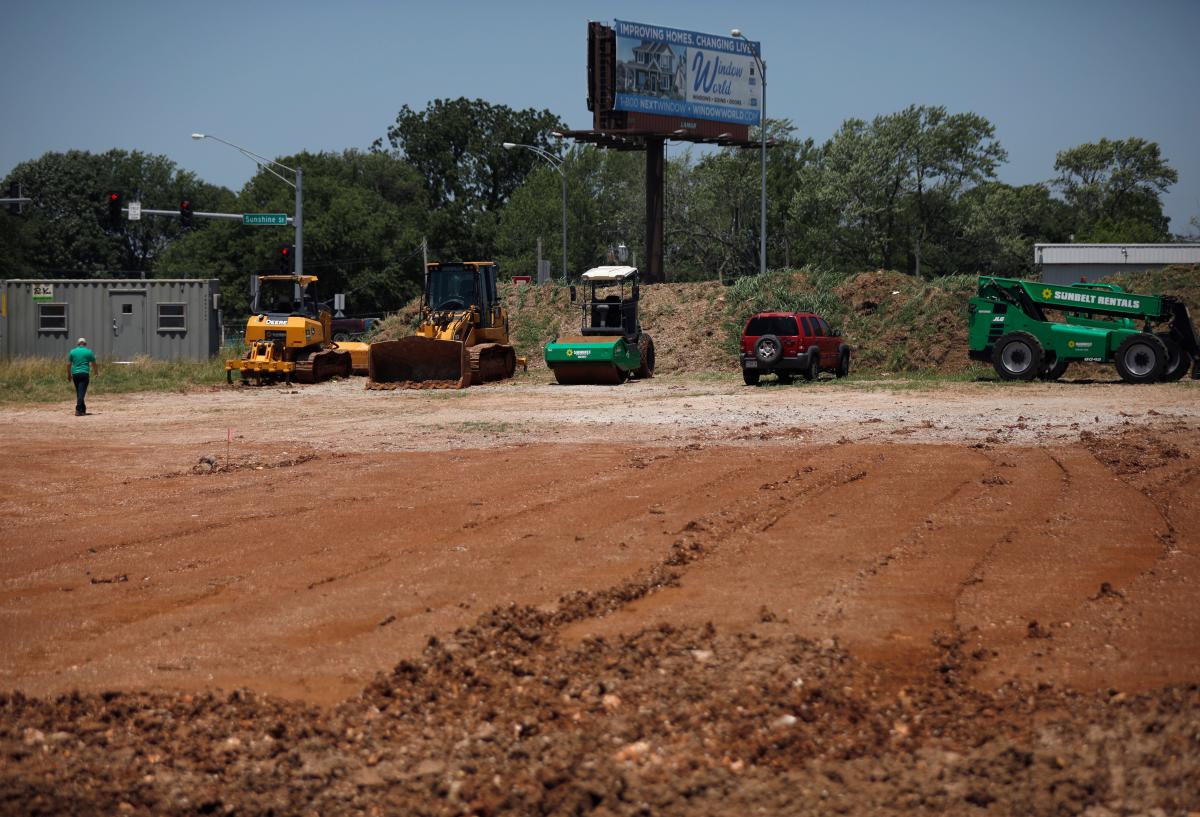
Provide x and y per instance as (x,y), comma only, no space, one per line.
(195,214)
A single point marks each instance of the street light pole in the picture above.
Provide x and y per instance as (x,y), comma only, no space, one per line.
(762,127)
(265,164)
(557,164)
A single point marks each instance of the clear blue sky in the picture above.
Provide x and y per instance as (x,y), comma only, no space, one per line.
(287,76)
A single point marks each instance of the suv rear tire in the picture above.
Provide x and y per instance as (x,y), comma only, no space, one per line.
(843,367)
(813,369)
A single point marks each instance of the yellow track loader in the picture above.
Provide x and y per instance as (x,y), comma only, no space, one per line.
(287,336)
(462,338)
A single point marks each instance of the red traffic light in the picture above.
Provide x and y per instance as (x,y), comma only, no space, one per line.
(114,196)
(284,251)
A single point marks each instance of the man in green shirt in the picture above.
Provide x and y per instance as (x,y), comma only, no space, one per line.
(81,363)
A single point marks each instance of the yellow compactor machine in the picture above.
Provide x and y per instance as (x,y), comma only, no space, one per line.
(288,336)
(462,338)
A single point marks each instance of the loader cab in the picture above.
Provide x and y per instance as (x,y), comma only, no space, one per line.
(281,296)
(610,304)
(455,286)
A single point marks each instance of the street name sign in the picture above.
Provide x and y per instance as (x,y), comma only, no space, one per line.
(270,219)
(135,211)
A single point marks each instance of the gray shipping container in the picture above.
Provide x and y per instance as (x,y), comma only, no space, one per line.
(164,319)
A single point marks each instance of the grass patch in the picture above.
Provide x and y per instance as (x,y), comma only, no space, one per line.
(483,427)
(44,380)
(531,332)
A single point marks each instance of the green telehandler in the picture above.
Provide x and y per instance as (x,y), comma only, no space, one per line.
(1149,338)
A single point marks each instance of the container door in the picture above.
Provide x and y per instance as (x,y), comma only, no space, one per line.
(128,325)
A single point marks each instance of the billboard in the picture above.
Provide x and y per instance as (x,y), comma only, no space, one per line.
(671,72)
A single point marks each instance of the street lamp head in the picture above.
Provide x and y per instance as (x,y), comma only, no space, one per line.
(198,135)
(557,134)
(509,145)
(735,32)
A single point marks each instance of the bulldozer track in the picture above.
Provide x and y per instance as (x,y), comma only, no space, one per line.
(491,362)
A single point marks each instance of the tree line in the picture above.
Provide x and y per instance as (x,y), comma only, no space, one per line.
(916,190)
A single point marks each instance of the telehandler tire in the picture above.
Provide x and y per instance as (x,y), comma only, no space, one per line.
(750,377)
(1177,362)
(1017,356)
(1142,358)
(1053,370)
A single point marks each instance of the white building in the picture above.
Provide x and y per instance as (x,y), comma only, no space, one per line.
(1067,263)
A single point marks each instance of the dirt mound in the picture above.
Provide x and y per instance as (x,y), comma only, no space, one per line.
(504,719)
(895,322)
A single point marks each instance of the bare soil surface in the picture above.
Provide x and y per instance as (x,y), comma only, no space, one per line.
(680,596)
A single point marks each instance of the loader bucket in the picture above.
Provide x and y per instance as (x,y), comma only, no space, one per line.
(418,363)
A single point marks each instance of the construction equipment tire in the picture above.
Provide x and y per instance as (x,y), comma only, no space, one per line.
(785,378)
(1053,370)
(646,351)
(768,350)
(1142,358)
(1177,361)
(1017,356)
(750,377)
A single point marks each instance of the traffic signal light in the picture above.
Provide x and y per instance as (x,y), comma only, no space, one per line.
(185,213)
(287,259)
(114,210)
(14,192)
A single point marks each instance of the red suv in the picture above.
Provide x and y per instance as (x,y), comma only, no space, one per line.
(784,343)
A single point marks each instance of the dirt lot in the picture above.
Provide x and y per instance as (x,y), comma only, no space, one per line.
(672,597)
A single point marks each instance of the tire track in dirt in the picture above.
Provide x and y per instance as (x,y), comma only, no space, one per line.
(750,576)
(1036,603)
(1126,625)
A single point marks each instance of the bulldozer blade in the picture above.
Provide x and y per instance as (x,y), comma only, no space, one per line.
(418,363)
(588,374)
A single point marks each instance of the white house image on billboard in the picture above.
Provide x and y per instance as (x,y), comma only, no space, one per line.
(653,70)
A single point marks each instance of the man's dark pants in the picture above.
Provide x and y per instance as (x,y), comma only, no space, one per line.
(81,384)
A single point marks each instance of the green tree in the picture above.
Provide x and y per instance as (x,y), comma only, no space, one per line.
(364,214)
(886,193)
(997,226)
(1115,188)
(457,147)
(65,231)
(604,208)
(713,207)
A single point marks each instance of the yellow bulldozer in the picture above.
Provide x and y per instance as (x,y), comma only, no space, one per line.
(288,336)
(462,338)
